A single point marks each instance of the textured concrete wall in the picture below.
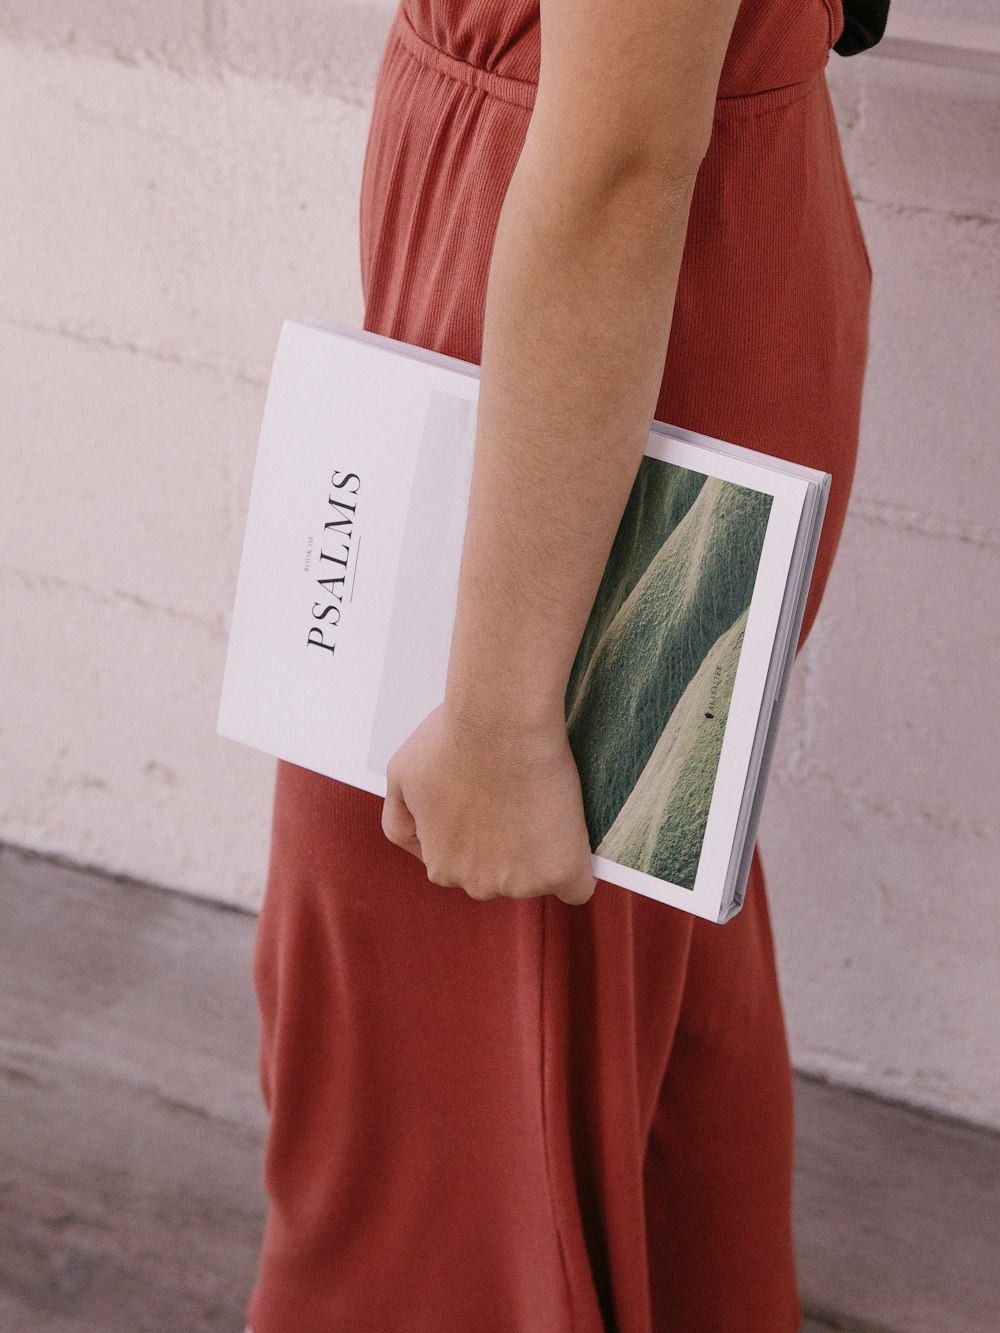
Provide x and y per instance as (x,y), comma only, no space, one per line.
(174,183)
(176,180)
(881,833)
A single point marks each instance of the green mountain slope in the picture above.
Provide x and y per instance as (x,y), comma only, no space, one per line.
(697,583)
(661,827)
(660,497)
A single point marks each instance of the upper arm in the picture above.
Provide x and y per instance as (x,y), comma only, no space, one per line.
(632,81)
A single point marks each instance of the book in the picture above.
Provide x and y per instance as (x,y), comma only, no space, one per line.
(347,588)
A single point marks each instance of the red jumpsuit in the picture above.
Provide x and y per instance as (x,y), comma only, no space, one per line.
(529,1117)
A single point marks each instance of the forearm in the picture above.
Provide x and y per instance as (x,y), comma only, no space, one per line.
(579,303)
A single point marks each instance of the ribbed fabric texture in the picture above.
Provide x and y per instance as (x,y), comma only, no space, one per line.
(524,1117)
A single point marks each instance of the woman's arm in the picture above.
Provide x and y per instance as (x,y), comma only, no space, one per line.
(578,310)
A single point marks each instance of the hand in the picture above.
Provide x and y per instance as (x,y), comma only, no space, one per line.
(493,809)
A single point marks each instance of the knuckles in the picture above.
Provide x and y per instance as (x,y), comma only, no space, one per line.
(438,875)
(484,888)
(485,885)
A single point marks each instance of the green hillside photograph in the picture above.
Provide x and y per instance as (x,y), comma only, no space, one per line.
(648,696)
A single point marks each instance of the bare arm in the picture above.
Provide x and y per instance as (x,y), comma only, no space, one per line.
(579,304)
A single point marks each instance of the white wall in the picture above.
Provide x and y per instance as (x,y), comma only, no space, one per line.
(880,834)
(171,188)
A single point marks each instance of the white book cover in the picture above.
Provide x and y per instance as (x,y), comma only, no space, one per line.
(347,588)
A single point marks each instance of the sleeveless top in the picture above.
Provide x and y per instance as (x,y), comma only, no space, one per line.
(771,45)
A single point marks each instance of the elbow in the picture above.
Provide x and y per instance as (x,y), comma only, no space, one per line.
(647,164)
(662,152)
(619,157)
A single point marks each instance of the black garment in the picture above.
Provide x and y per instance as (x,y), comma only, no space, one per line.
(864,25)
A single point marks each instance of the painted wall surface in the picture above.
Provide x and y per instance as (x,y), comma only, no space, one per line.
(170,190)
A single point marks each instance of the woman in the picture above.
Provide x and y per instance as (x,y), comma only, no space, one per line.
(504,1099)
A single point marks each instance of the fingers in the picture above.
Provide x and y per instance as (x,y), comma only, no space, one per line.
(574,887)
(580,891)
(398,823)
(568,888)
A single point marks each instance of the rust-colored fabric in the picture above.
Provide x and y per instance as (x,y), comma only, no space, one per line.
(526,1117)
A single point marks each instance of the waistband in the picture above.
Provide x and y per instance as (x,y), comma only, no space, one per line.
(522,92)
(519,92)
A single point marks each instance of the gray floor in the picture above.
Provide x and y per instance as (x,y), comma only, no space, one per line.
(132,1129)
